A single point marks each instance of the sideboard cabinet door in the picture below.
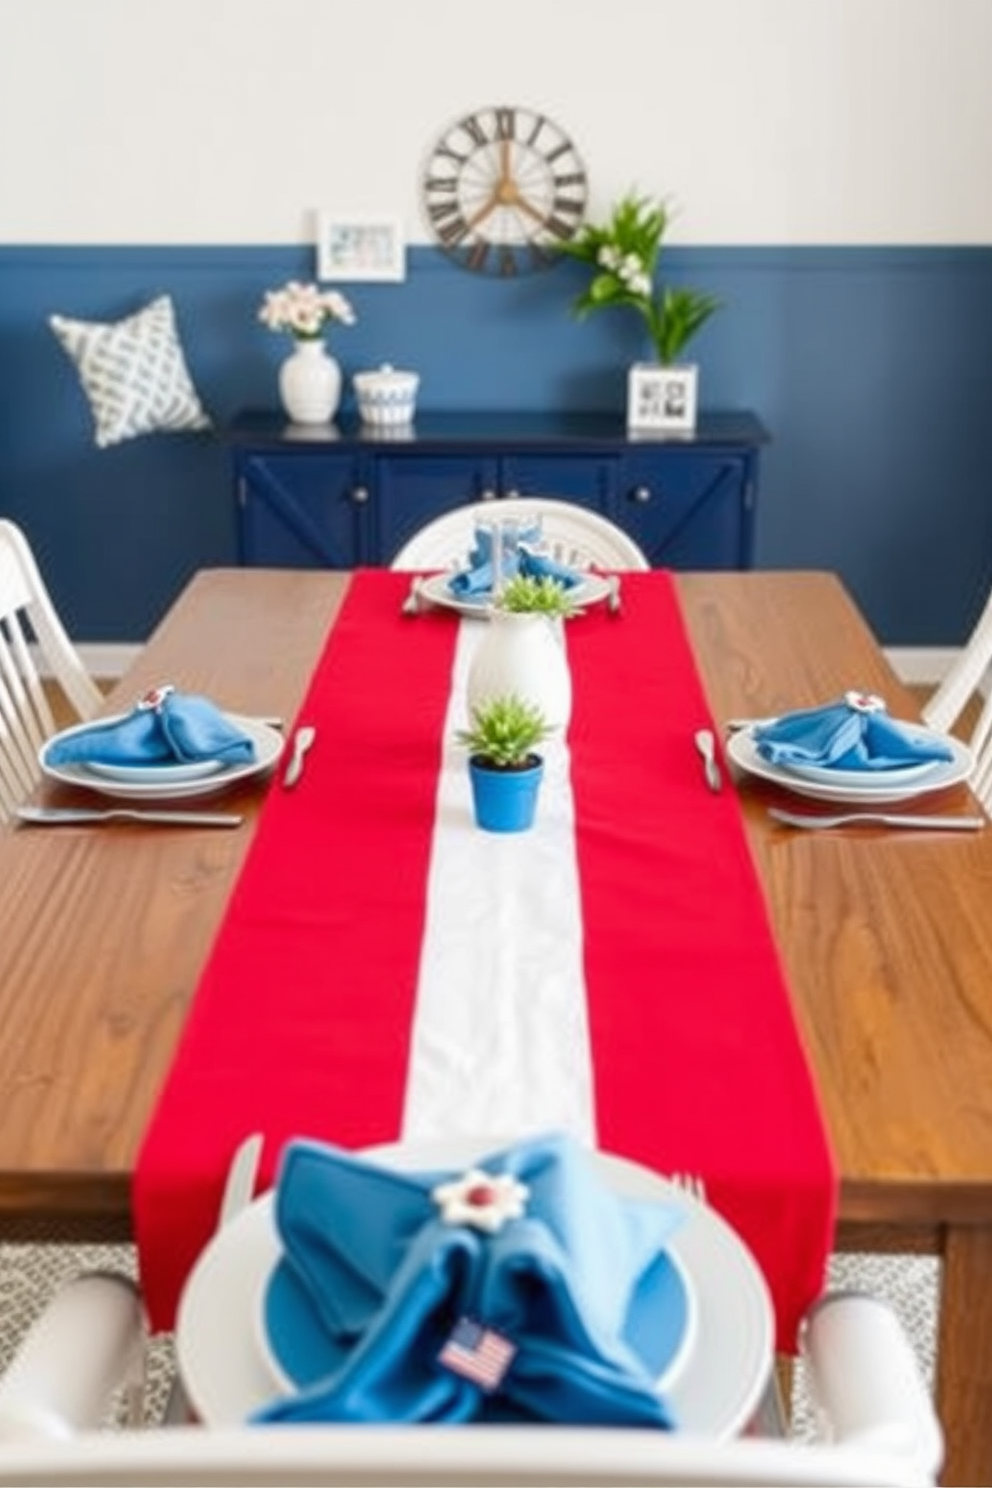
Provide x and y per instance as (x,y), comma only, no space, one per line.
(413,487)
(688,508)
(304,510)
(587,479)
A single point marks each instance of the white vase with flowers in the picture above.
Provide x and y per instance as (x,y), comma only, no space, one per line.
(309,379)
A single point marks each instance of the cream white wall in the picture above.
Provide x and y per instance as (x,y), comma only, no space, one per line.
(764,121)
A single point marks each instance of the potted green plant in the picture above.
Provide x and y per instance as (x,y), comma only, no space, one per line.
(624,254)
(504,768)
(523,651)
(529,594)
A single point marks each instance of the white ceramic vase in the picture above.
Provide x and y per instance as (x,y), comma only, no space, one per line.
(523,654)
(310,384)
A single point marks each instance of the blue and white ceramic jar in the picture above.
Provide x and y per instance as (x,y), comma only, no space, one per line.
(386,398)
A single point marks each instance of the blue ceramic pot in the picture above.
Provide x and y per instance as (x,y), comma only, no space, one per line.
(505,800)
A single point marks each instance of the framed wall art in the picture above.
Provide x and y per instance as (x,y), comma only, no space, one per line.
(356,248)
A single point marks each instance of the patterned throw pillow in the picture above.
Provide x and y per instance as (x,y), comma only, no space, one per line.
(133,372)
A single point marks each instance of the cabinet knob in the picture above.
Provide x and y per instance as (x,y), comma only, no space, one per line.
(641,494)
(360,494)
(512,494)
(488,495)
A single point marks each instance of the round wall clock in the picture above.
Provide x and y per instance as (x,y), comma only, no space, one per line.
(502,187)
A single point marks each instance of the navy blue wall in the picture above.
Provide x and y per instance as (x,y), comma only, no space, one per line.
(870,367)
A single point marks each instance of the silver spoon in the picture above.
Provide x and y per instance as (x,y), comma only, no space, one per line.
(411,605)
(706,744)
(302,740)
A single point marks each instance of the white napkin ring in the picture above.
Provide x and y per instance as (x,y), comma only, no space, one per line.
(865,702)
(483,1200)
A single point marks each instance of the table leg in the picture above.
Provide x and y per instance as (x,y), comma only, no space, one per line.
(964,1355)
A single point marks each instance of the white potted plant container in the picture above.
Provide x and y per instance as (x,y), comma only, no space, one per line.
(624,255)
(523,651)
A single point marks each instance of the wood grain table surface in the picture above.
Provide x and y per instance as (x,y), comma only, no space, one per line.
(886,938)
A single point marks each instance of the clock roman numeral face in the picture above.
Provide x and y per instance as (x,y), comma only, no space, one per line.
(502,187)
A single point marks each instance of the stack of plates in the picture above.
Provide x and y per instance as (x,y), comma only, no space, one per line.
(719,1354)
(857,787)
(168,782)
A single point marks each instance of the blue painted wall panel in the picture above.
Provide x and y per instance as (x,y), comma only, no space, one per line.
(870,367)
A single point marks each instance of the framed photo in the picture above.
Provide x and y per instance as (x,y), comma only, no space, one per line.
(359,248)
(661,398)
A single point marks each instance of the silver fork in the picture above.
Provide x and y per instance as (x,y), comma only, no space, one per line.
(689,1183)
(771,1416)
(877,819)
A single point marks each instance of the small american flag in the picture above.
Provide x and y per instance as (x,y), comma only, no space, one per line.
(477,1353)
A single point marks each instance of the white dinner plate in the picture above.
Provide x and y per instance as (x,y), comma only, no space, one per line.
(166,785)
(864,780)
(743,751)
(714,1387)
(590,589)
(156,774)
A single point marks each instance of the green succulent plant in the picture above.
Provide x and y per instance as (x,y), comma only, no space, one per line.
(526,594)
(504,732)
(623,255)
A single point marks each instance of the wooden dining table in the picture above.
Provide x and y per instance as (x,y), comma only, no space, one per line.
(885,938)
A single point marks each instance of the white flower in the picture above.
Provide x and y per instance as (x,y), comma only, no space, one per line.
(609,257)
(483,1200)
(304,309)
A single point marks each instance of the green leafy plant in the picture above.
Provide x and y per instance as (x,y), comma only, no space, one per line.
(527,594)
(624,254)
(504,732)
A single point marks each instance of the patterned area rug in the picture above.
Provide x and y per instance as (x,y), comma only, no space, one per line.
(29,1274)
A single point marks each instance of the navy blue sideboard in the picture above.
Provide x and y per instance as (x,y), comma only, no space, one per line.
(341,496)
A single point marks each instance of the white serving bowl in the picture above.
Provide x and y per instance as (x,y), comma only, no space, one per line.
(386,397)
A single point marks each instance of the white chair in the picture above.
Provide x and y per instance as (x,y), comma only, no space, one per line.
(878,1428)
(946,704)
(572,535)
(87,1343)
(32,640)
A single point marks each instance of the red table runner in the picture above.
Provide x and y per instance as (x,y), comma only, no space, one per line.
(301,1024)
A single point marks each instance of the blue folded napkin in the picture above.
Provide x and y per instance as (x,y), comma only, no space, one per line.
(519,556)
(396,1304)
(166,727)
(539,566)
(853,733)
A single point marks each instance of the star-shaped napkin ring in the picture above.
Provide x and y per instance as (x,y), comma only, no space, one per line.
(154,698)
(483,1200)
(865,702)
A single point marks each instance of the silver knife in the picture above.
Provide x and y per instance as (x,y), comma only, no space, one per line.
(72,816)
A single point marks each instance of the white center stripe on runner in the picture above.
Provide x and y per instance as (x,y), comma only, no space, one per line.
(500,1039)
